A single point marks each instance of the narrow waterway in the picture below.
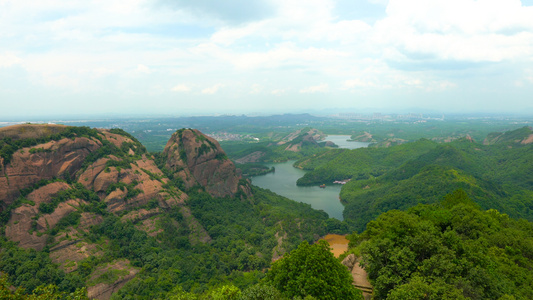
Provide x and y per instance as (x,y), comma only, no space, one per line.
(283,182)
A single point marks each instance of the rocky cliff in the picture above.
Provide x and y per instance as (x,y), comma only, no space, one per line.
(199,160)
(57,182)
(28,165)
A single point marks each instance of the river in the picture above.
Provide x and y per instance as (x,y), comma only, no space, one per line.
(283,182)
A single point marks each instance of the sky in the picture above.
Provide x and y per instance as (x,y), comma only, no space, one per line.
(182,57)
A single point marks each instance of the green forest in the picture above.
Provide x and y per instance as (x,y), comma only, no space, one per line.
(427,220)
(496,175)
(447,250)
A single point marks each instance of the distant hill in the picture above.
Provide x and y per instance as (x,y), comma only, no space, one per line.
(497,175)
(282,147)
(522,136)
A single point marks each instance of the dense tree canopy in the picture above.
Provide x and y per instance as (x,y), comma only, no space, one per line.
(312,270)
(450,250)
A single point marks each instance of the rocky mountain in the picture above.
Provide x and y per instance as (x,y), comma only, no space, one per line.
(53,176)
(199,160)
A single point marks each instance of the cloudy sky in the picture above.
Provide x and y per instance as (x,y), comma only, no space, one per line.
(240,56)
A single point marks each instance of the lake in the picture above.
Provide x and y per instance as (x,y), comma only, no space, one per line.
(283,182)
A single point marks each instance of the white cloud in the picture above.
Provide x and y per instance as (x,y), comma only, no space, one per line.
(321,88)
(9,59)
(181,88)
(417,46)
(278,92)
(465,30)
(143,69)
(256,89)
(213,89)
(354,83)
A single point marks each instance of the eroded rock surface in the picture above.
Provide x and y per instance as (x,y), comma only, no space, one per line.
(199,160)
(56,158)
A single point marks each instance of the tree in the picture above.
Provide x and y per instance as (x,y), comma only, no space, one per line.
(312,270)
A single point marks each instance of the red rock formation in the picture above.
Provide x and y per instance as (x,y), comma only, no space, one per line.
(47,192)
(26,169)
(21,227)
(199,160)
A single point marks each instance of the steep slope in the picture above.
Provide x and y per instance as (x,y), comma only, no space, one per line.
(48,152)
(198,160)
(90,208)
(279,147)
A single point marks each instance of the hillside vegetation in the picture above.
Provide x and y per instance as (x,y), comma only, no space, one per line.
(447,250)
(95,215)
(497,175)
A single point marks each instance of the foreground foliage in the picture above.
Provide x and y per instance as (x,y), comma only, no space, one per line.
(451,250)
(312,270)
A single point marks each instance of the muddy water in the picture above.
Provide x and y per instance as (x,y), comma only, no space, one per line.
(338,243)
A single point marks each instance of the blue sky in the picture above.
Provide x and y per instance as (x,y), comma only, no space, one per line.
(267,56)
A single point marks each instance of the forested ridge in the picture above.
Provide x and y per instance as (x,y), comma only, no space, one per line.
(428,221)
(496,175)
(96,229)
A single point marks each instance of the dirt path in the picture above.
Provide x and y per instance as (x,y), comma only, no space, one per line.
(339,245)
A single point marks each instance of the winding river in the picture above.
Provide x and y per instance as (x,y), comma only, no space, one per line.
(283,182)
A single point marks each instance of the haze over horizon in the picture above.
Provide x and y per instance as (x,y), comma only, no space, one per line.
(267,56)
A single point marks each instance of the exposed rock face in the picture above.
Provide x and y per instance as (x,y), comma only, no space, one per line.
(19,227)
(57,157)
(129,182)
(199,160)
(349,261)
(251,158)
(143,174)
(71,247)
(29,233)
(46,193)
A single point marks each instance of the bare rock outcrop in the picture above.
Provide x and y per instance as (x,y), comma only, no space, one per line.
(141,175)
(55,158)
(199,160)
(45,193)
(521,136)
(21,227)
(32,234)
(70,247)
(349,261)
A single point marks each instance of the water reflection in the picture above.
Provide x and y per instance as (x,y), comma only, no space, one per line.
(283,182)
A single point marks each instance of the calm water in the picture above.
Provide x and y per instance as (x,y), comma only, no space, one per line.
(283,182)
(342,142)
